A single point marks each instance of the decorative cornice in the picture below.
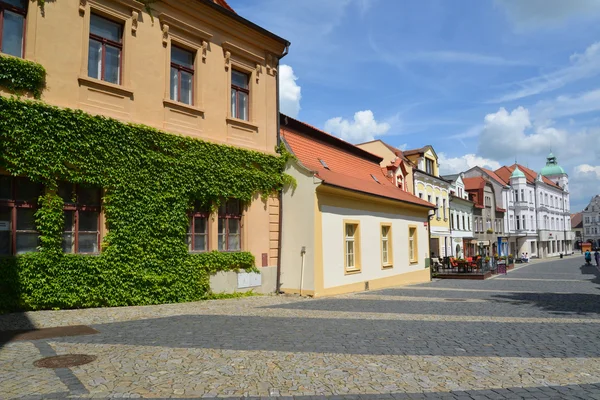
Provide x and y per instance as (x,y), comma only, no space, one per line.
(243,52)
(177,24)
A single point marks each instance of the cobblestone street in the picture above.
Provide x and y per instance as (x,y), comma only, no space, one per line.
(530,334)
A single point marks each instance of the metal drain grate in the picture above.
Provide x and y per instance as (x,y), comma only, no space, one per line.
(64,361)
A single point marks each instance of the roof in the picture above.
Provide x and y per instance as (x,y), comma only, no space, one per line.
(552,168)
(494,176)
(339,163)
(505,172)
(421,150)
(224,4)
(450,178)
(517,173)
(474,183)
(577,220)
(397,152)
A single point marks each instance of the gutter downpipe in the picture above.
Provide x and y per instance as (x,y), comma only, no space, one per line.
(279,234)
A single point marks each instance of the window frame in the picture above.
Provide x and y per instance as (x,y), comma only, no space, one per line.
(13,204)
(227,217)
(357,249)
(180,68)
(413,244)
(389,243)
(198,212)
(23,12)
(76,207)
(237,91)
(104,42)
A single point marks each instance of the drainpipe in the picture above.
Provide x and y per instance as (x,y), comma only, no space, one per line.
(537,219)
(279,235)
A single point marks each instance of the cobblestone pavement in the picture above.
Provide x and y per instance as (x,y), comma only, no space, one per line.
(530,334)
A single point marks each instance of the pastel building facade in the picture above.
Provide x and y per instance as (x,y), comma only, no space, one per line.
(346,227)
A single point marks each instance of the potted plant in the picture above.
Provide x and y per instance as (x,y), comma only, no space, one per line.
(490,231)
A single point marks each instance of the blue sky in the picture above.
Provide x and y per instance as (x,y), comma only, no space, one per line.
(483,81)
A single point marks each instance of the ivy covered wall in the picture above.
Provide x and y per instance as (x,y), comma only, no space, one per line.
(150,180)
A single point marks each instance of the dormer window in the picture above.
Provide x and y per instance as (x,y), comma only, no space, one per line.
(324,164)
(429,166)
(374,178)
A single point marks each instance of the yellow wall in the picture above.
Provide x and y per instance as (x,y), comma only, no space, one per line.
(58,40)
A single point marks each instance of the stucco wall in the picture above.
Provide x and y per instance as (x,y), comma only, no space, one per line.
(334,212)
(298,230)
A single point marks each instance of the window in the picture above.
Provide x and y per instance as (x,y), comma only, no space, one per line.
(197,236)
(518,223)
(12,26)
(488,224)
(524,223)
(429,166)
(18,201)
(587,220)
(351,246)
(182,75)
(429,198)
(240,92)
(437,207)
(511,223)
(82,218)
(464,228)
(531,226)
(386,248)
(420,195)
(412,244)
(531,196)
(453,221)
(468,223)
(230,221)
(523,195)
(546,199)
(444,207)
(104,58)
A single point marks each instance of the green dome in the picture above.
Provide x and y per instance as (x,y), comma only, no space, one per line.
(552,167)
(517,173)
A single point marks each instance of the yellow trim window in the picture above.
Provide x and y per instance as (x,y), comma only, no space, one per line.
(386,245)
(412,244)
(351,246)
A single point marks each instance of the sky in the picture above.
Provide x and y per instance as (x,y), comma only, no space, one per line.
(485,82)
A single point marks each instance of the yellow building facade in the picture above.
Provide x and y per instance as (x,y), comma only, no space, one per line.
(429,186)
(192,68)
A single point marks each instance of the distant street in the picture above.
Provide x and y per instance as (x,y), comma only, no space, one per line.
(533,333)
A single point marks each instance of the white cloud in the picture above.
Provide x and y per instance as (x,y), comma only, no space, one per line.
(587,171)
(459,164)
(582,66)
(564,106)
(402,147)
(460,57)
(289,91)
(363,128)
(508,134)
(537,13)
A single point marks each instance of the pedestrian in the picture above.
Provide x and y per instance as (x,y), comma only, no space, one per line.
(588,257)
(526,257)
(597,257)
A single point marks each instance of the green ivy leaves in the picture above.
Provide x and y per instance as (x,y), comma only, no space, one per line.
(150,181)
(17,74)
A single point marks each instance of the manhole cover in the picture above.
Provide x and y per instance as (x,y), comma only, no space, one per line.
(64,361)
(455,299)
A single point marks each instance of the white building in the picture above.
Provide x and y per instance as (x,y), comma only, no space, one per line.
(537,220)
(461,216)
(346,227)
(591,222)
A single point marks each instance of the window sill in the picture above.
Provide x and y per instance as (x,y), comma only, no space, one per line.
(353,271)
(183,107)
(242,123)
(109,87)
(413,262)
(390,266)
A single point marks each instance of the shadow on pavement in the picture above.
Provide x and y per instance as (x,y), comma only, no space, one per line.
(14,325)
(586,391)
(591,270)
(555,303)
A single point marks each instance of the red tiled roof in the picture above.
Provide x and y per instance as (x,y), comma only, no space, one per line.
(498,209)
(505,172)
(494,176)
(348,166)
(223,3)
(474,183)
(577,220)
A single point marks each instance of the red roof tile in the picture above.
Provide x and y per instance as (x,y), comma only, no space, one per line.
(347,166)
(494,176)
(577,220)
(223,3)
(474,183)
(505,172)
